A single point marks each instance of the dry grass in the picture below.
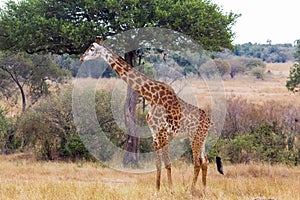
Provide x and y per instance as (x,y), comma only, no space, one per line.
(256,91)
(25,178)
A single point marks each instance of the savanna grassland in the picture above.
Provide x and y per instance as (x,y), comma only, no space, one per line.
(23,177)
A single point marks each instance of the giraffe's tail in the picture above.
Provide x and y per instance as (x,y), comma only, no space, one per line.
(219,165)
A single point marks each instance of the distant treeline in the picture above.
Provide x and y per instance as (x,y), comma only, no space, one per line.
(271,53)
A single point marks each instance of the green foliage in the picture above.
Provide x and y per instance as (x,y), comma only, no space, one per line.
(264,143)
(222,66)
(49,130)
(251,63)
(201,20)
(49,26)
(236,67)
(258,72)
(48,125)
(5,127)
(297,53)
(270,144)
(277,53)
(244,65)
(266,132)
(20,71)
(68,26)
(240,149)
(294,77)
(72,147)
(3,120)
(149,70)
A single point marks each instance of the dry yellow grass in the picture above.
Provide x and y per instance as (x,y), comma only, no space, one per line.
(29,179)
(256,91)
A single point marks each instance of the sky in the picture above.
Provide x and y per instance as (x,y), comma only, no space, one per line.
(263,20)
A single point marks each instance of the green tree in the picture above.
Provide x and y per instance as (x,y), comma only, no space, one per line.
(68,26)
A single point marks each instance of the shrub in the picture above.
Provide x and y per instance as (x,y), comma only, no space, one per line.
(7,140)
(274,127)
(258,72)
(48,124)
(223,67)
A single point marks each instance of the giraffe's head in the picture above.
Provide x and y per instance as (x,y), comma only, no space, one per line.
(93,52)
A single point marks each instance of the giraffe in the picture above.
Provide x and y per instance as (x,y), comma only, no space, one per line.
(168,115)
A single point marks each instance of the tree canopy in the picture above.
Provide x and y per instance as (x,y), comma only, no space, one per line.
(60,27)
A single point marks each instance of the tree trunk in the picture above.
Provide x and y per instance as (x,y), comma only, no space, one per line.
(131,155)
(15,79)
(23,99)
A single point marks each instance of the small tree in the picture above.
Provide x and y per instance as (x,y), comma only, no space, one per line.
(19,71)
(294,77)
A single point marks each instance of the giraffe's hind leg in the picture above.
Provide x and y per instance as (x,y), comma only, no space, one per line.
(167,162)
(163,154)
(200,162)
(158,168)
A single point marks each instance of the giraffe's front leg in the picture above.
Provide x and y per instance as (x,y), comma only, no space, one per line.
(204,166)
(195,177)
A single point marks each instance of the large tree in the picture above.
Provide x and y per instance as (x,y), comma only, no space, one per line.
(59,27)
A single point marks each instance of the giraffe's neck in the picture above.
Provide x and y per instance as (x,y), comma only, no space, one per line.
(158,94)
(143,85)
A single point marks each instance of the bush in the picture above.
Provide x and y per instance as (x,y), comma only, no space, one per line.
(7,140)
(258,72)
(223,67)
(47,125)
(266,132)
(263,144)
(48,129)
